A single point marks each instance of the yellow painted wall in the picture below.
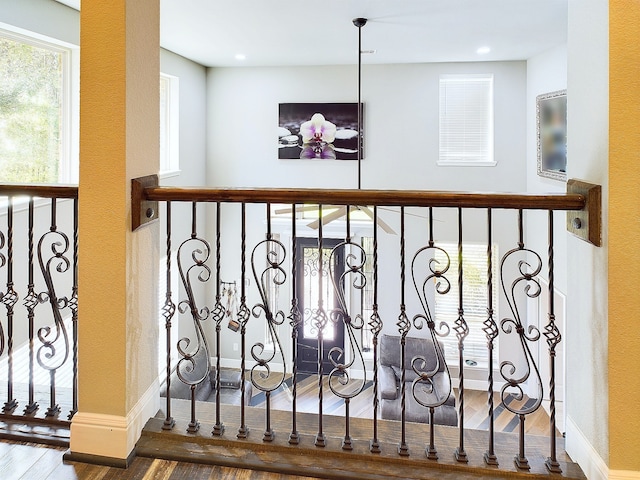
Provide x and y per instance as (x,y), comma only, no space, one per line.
(119,140)
(624,234)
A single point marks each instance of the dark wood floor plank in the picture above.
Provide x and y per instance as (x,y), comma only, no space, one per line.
(44,465)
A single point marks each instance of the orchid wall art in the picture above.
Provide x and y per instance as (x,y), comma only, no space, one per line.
(327,131)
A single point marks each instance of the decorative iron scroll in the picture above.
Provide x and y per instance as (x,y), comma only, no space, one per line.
(527,265)
(339,376)
(3,262)
(425,271)
(55,349)
(194,364)
(261,373)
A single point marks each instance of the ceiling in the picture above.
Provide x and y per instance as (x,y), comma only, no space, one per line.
(304,32)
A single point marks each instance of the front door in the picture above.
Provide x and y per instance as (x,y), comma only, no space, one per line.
(312,279)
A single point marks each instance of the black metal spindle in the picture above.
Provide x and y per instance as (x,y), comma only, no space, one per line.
(218,316)
(73,305)
(321,321)
(404,325)
(491,330)
(9,299)
(376,327)
(462,330)
(295,318)
(30,302)
(168,311)
(243,318)
(553,337)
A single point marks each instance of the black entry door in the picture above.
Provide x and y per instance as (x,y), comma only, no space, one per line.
(312,279)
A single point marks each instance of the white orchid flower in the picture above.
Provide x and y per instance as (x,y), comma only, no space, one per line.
(318,130)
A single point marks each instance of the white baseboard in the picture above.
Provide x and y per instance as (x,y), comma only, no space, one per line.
(583,453)
(623,475)
(113,436)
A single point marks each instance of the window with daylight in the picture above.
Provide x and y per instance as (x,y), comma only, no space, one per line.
(475,301)
(169,125)
(466,120)
(38,111)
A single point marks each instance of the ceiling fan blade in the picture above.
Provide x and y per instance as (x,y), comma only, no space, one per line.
(409,214)
(340,212)
(383,225)
(299,208)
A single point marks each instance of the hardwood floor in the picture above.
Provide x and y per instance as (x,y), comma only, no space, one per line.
(22,461)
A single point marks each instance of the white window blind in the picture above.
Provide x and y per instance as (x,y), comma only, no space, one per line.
(475,301)
(466,120)
(169,124)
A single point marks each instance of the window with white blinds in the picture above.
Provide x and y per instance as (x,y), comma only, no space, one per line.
(466,120)
(475,301)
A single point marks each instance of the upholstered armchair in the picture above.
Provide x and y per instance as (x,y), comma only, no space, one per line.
(437,390)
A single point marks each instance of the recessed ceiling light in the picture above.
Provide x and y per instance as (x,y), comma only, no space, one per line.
(241,56)
(483,50)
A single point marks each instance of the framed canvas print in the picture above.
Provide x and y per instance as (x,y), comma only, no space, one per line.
(551,113)
(327,131)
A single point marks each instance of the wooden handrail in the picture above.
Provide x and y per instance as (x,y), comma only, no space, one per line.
(408,198)
(41,191)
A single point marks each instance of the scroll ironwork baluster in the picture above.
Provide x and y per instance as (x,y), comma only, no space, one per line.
(375,322)
(426,268)
(194,366)
(319,319)
(295,319)
(243,318)
(30,302)
(340,381)
(73,306)
(528,284)
(490,329)
(404,325)
(48,355)
(261,374)
(218,315)
(168,311)
(462,330)
(553,337)
(10,298)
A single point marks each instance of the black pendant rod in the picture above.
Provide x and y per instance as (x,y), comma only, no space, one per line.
(359,22)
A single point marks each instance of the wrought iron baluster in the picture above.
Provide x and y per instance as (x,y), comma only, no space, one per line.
(404,325)
(30,302)
(243,318)
(261,374)
(73,306)
(462,330)
(426,269)
(490,329)
(218,315)
(525,281)
(168,311)
(9,298)
(319,320)
(295,319)
(553,337)
(47,355)
(194,365)
(375,322)
(340,381)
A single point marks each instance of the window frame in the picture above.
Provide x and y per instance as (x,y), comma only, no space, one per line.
(68,166)
(169,162)
(486,152)
(449,315)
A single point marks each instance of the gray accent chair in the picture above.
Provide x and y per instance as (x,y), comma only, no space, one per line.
(390,375)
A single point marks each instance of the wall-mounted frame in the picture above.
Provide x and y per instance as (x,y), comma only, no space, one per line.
(551,114)
(327,131)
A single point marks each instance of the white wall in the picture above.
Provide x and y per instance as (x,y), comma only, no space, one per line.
(400,127)
(45,17)
(587,146)
(401,151)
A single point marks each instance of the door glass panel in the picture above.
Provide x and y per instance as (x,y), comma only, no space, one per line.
(312,288)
